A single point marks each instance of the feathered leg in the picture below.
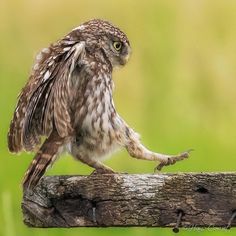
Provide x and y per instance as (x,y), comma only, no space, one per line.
(137,150)
(96,164)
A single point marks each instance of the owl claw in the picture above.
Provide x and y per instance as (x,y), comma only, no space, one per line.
(170,160)
(100,171)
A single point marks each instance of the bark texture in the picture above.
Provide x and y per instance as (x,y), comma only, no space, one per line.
(206,200)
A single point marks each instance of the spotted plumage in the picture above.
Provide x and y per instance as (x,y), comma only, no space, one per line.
(68,100)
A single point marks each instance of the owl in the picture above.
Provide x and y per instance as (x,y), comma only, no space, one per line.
(68,103)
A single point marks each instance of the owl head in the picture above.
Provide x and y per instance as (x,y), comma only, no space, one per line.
(102,37)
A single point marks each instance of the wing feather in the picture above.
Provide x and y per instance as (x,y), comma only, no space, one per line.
(43,102)
(62,115)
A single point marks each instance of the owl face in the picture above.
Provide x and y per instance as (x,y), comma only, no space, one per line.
(117,50)
(102,36)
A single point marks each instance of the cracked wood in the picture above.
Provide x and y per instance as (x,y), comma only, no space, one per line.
(206,199)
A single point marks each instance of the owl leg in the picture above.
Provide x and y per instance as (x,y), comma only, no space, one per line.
(97,165)
(137,150)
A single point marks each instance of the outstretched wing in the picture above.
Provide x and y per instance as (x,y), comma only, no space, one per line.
(43,102)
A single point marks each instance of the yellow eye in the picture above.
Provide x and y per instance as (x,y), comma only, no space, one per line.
(117,45)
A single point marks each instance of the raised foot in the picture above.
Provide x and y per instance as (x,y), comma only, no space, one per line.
(170,160)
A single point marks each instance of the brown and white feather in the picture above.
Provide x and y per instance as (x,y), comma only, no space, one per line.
(68,99)
(69,95)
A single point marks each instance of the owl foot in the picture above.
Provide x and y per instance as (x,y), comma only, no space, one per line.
(170,160)
(102,171)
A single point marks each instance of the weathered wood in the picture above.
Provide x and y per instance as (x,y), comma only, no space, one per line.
(206,199)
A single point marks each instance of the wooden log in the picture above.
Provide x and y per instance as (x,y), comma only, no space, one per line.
(153,200)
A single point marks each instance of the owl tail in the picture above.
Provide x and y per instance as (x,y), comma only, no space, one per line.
(44,158)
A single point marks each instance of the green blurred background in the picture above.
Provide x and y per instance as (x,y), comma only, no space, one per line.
(178,90)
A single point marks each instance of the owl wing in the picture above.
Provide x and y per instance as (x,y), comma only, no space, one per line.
(43,102)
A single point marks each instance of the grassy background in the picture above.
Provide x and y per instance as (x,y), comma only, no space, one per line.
(178,90)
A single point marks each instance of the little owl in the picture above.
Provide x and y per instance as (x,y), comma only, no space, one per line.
(68,100)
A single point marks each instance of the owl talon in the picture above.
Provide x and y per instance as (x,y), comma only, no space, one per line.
(101,171)
(170,160)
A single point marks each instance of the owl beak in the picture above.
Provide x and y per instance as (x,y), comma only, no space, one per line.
(125,58)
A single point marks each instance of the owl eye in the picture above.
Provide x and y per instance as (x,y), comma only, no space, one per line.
(117,45)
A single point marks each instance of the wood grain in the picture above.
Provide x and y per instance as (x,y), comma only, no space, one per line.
(206,199)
